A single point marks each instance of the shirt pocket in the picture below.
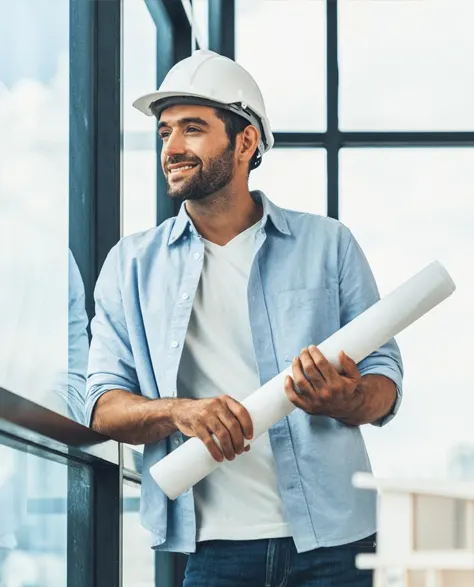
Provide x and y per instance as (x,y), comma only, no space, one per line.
(306,316)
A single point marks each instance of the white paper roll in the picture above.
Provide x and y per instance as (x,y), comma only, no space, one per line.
(191,462)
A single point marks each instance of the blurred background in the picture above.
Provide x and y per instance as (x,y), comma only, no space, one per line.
(371,105)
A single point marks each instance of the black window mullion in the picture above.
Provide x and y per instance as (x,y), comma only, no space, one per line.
(94,509)
(107,523)
(222,27)
(80,530)
(82,144)
(376,139)
(333,139)
(407,139)
(109,127)
(95,135)
(300,139)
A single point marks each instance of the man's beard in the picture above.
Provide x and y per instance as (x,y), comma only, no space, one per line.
(202,184)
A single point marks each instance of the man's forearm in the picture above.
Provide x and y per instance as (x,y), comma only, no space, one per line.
(378,394)
(133,419)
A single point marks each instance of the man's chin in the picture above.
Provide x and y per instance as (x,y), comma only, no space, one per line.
(177,192)
(176,195)
(185,194)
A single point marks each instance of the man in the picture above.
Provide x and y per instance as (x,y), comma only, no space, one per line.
(193,316)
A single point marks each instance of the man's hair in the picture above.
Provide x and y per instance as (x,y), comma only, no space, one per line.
(234,124)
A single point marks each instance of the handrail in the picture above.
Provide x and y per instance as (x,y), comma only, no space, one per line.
(27,422)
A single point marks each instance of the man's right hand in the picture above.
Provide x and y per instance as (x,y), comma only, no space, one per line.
(223,417)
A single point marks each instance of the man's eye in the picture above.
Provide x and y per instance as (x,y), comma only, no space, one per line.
(163,135)
(192,129)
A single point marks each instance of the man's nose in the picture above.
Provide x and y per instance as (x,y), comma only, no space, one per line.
(174,144)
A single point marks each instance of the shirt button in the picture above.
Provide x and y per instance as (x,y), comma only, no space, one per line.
(197,256)
(185,296)
(185,237)
(177,441)
(175,344)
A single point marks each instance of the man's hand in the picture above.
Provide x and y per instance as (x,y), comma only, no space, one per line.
(222,417)
(317,388)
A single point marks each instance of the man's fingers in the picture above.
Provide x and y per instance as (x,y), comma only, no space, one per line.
(292,393)
(299,377)
(310,369)
(349,368)
(205,436)
(224,427)
(223,436)
(242,415)
(235,430)
(326,369)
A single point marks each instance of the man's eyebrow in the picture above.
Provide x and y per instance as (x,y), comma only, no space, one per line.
(184,121)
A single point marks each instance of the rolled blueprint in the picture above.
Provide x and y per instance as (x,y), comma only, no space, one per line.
(191,462)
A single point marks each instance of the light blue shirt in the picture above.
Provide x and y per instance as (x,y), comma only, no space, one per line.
(308,279)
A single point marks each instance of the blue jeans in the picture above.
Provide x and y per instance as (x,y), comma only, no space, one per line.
(275,563)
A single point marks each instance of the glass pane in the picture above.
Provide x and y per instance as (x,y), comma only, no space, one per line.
(139,182)
(138,557)
(37,270)
(201,14)
(139,158)
(33,520)
(406,65)
(408,208)
(294,179)
(282,43)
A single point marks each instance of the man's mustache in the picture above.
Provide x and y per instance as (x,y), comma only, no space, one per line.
(182,158)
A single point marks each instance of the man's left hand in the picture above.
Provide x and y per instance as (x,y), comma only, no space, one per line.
(317,387)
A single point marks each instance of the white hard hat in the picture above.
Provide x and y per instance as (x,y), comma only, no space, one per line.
(217,79)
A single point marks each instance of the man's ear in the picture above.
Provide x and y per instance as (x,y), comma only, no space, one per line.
(248,144)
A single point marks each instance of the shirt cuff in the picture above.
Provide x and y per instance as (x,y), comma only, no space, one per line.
(93,394)
(394,376)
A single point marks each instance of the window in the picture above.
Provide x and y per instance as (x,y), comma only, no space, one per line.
(283,45)
(406,65)
(138,557)
(293,178)
(408,207)
(34,186)
(33,520)
(139,139)
(201,18)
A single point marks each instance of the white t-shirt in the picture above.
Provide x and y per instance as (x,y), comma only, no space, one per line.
(240,500)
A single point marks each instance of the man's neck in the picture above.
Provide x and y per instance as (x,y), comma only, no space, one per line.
(222,216)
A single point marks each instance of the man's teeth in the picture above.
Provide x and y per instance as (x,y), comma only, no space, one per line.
(181,168)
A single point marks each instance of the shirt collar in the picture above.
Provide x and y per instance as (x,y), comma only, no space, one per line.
(273,212)
(270,211)
(180,225)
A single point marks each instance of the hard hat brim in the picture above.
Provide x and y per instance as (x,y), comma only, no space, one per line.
(143,104)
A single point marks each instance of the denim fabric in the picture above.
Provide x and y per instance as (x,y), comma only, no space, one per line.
(276,563)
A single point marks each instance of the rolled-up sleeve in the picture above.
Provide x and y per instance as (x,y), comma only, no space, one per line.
(111,364)
(358,291)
